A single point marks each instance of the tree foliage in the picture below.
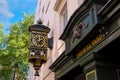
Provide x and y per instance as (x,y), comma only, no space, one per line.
(14,49)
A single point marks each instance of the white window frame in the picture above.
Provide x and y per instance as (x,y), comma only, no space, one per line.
(63,18)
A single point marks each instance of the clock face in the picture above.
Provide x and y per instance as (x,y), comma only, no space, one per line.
(39,40)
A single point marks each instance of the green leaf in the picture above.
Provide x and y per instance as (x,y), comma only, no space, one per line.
(14,49)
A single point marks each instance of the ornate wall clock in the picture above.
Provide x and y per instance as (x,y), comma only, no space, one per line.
(39,40)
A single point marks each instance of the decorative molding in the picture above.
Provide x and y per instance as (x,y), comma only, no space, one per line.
(59,4)
(77,30)
(80,13)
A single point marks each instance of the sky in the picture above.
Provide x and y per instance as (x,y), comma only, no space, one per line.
(11,11)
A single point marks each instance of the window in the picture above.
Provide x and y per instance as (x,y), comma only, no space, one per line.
(63,18)
(39,8)
(42,16)
(61,8)
(47,7)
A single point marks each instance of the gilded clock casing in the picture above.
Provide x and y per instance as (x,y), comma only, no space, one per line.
(39,40)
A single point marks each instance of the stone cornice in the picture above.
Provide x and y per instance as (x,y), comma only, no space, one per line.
(61,60)
(57,62)
(112,7)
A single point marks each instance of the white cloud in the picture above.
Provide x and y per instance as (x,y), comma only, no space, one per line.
(4,10)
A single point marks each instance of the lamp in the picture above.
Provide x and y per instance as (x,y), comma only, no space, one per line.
(38,45)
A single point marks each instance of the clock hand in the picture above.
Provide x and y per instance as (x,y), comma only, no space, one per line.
(39,38)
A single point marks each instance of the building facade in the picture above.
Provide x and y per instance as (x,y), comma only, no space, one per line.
(85,39)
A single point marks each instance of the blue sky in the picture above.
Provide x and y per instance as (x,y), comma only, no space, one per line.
(11,11)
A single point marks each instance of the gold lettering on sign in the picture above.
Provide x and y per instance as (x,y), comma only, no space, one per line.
(90,45)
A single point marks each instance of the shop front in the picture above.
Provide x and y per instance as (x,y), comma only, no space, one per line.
(92,38)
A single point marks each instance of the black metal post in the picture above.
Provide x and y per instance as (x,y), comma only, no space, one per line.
(15,67)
